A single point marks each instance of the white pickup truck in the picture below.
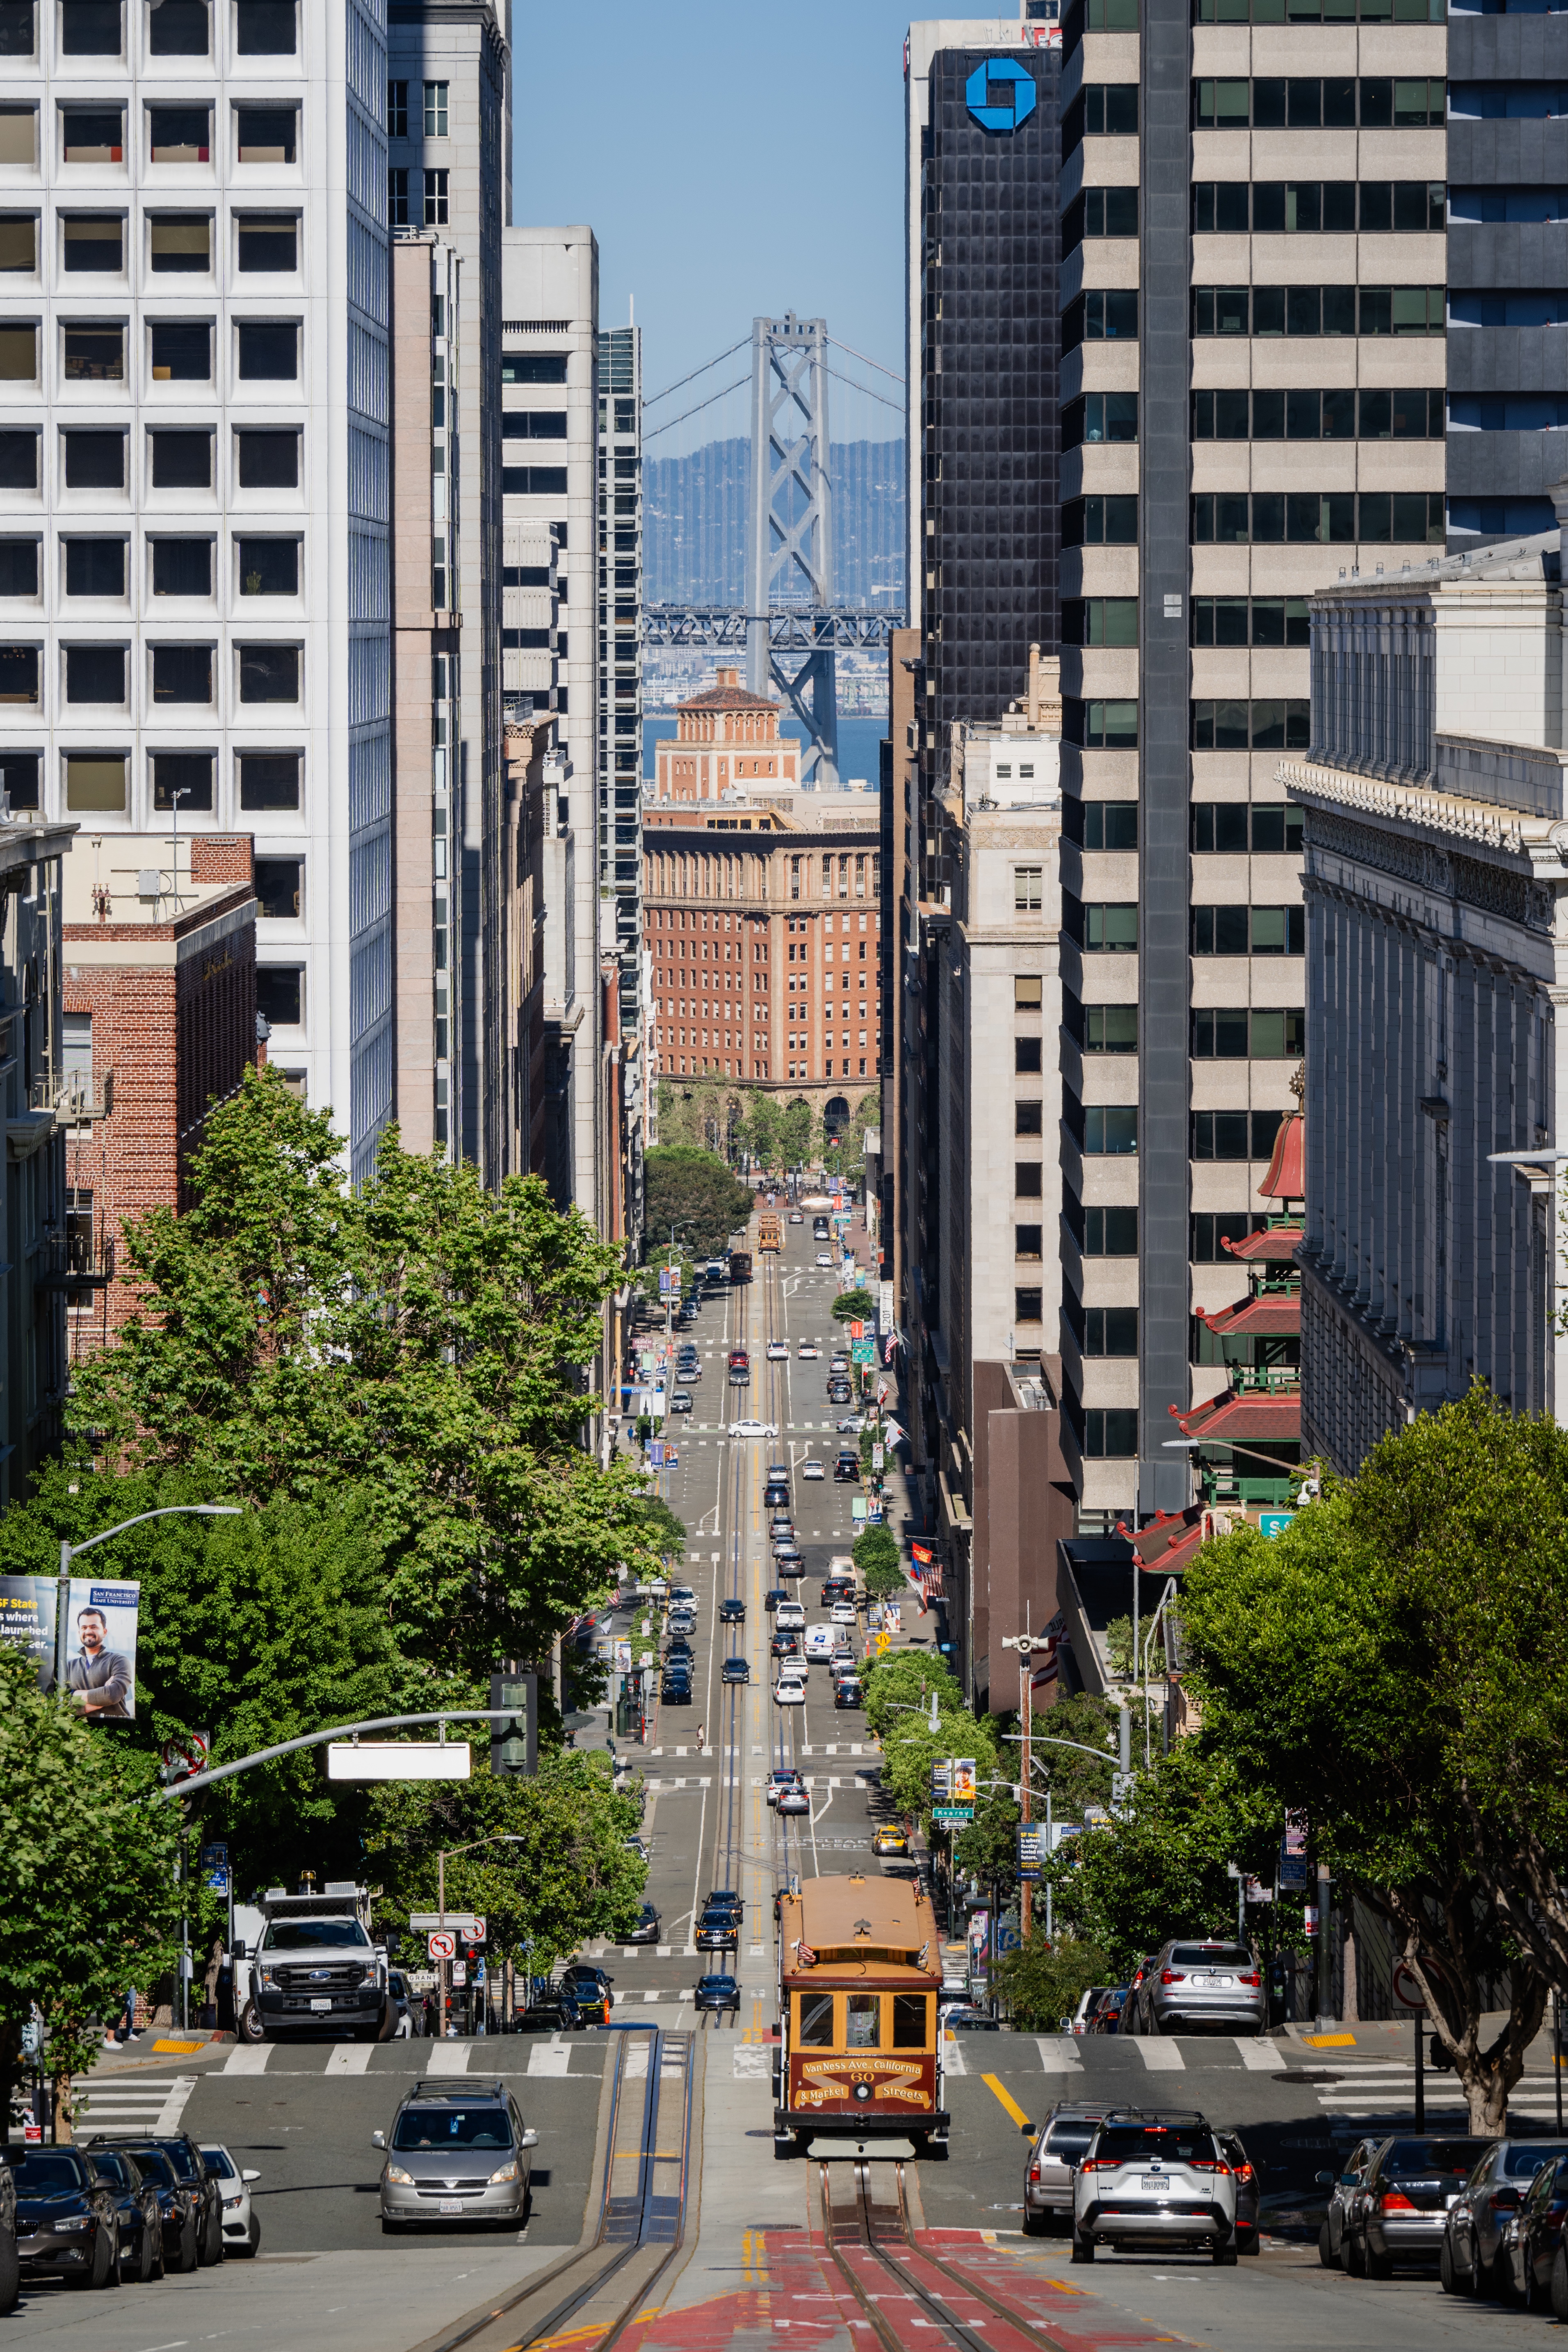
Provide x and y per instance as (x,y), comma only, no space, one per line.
(306,1965)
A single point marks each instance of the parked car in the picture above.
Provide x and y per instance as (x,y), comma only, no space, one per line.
(1400,2211)
(1107,2014)
(1342,2187)
(179,2206)
(139,2235)
(839,1361)
(10,2266)
(1063,2139)
(731,1613)
(1470,2262)
(1154,2181)
(457,2151)
(1249,2194)
(1533,2249)
(554,2011)
(734,1670)
(179,2151)
(1189,1985)
(407,2013)
(647,1926)
(719,1993)
(811,1468)
(241,2230)
(1079,2021)
(68,2218)
(840,1392)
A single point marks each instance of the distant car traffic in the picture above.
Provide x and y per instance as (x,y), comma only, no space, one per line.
(890,1839)
(824,1258)
(680,1402)
(1399,2213)
(717,1931)
(789,1693)
(796,1217)
(647,1926)
(843,1614)
(782,1777)
(441,2127)
(793,1800)
(718,1992)
(1062,2142)
(811,1468)
(847,1691)
(1154,2181)
(847,1466)
(808,1352)
(1192,1984)
(732,1611)
(772,1598)
(734,1670)
(754,1429)
(778,1351)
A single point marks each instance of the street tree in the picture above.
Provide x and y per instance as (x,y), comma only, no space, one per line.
(878,1557)
(796,1127)
(1073,1779)
(1042,1982)
(422,1338)
(853,1306)
(698,1193)
(762,1129)
(1395,1669)
(564,1875)
(89,1901)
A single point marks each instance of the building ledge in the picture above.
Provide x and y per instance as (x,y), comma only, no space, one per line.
(29,1133)
(1412,804)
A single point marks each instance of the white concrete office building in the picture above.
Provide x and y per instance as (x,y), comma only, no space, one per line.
(194,404)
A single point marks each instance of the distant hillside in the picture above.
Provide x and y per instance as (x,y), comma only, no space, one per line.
(694,524)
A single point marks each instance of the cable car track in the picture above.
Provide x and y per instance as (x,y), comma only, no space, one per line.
(868,2234)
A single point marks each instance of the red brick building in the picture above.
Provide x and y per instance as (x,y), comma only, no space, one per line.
(159,954)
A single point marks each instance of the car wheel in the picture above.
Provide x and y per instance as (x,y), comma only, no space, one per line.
(1037,2225)
(105,2271)
(1222,2257)
(1502,2280)
(1378,2266)
(209,2243)
(10,2274)
(1560,2284)
(250,2022)
(252,2245)
(1082,2249)
(1452,2283)
(1326,2254)
(390,2229)
(186,2259)
(1352,2256)
(1250,2241)
(145,2255)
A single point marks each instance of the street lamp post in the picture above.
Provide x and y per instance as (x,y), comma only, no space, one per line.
(68,1552)
(496,1837)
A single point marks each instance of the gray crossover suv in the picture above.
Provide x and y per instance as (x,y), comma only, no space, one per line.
(457,2152)
(1190,1984)
(1151,2182)
(1064,2139)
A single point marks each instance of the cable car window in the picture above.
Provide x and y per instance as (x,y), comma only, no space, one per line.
(911,2020)
(816,2021)
(863,2022)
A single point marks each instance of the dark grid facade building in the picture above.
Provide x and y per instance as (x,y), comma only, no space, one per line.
(987,450)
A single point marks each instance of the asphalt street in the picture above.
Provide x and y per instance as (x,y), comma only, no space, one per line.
(303,2114)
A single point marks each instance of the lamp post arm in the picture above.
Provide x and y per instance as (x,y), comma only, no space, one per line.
(338,1731)
(168,1511)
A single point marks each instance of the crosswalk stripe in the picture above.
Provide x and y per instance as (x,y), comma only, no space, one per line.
(455,2056)
(1060,2054)
(174,2105)
(248,2058)
(1160,2057)
(953,2056)
(348,2058)
(1259,2057)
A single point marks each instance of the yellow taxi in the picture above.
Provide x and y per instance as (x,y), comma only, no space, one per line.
(889,1840)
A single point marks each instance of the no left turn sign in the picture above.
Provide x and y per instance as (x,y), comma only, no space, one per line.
(443,1944)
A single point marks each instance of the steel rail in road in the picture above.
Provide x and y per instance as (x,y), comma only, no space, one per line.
(872,2232)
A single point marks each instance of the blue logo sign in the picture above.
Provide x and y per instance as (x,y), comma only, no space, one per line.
(1000,94)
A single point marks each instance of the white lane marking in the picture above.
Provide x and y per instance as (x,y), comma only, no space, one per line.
(1258,2056)
(1060,2054)
(349,2057)
(953,2057)
(1160,2057)
(248,2058)
(649,1996)
(664,1951)
(753,2061)
(174,2105)
(552,2057)
(455,2056)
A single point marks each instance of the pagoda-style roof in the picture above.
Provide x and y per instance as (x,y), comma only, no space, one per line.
(1244,1417)
(1286,1180)
(1275,1245)
(1273,1315)
(728,697)
(1171,1540)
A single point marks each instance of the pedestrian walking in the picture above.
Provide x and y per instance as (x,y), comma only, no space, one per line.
(701,1739)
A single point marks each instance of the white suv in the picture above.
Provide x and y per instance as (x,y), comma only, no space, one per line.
(1153,2181)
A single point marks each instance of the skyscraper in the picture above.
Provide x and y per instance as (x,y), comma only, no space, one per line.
(620,658)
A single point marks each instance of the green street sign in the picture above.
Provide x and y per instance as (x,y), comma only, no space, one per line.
(959,1813)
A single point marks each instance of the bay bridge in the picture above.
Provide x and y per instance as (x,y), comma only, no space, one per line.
(790,628)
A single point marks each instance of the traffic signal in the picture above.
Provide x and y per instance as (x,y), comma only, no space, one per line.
(514,1741)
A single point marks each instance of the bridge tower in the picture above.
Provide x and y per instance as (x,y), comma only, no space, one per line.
(789,530)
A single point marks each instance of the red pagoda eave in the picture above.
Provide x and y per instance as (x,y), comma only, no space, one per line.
(1275,1244)
(1238,1418)
(1269,1318)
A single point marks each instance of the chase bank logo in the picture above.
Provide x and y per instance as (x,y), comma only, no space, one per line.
(999,95)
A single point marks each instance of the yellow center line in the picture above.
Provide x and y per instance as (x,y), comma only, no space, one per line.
(1006,2100)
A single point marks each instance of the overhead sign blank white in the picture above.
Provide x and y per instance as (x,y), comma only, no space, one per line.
(398,1759)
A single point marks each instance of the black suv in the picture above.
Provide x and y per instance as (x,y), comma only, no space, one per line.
(189,2168)
(68,2223)
(140,2212)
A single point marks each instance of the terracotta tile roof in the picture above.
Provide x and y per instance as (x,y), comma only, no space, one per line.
(1169,1540)
(1233,1419)
(1284,1181)
(729,697)
(1273,1318)
(1275,1243)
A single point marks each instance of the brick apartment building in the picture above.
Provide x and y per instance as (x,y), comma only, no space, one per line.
(159,1022)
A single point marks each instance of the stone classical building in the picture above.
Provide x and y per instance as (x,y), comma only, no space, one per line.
(725,738)
(1436,890)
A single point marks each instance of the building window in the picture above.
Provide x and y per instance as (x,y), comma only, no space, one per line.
(179,134)
(1028,1306)
(179,245)
(95,782)
(1027,1179)
(1307,102)
(534,367)
(1110,1330)
(1110,930)
(269,567)
(182,460)
(95,674)
(94,243)
(1110,1130)
(179,28)
(1100,416)
(268,779)
(1028,1118)
(269,460)
(264,29)
(90,28)
(1110,1232)
(1256,726)
(1101,726)
(267,134)
(18,354)
(18,244)
(181,674)
(19,135)
(1249,930)
(280,994)
(269,350)
(269,673)
(1100,111)
(1101,315)
(1026,992)
(1105,519)
(398,110)
(19,674)
(1301,413)
(19,567)
(1109,1433)
(1104,825)
(436,199)
(397,197)
(1026,1241)
(19,33)
(1111,1028)
(1260,1034)
(181,352)
(1234,1134)
(94,354)
(95,567)
(1100,621)
(20,779)
(436,110)
(1268,311)
(188,774)
(267,244)
(1250,620)
(1100,212)
(1027,1056)
(1029,887)
(1210,1233)
(279,888)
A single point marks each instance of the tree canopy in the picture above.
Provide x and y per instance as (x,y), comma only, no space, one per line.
(878,1557)
(853,1306)
(696,1193)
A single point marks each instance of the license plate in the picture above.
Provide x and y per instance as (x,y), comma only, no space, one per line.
(322,2001)
(450,2205)
(1156,2181)
(1209,1982)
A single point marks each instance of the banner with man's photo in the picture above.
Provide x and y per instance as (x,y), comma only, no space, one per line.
(100,1640)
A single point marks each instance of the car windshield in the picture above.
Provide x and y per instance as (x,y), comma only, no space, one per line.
(452,2128)
(718,1984)
(313,1935)
(155,2165)
(1138,2142)
(1523,2161)
(39,2174)
(1210,1956)
(1069,2141)
(219,2163)
(112,2168)
(1414,2159)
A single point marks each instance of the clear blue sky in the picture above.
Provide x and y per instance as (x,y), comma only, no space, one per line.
(732,161)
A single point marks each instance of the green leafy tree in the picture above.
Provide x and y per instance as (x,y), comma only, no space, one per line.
(988,1847)
(761,1131)
(878,1557)
(423,1339)
(88,1896)
(853,1306)
(695,1191)
(1041,1983)
(1394,1670)
(256,1630)
(899,1694)
(564,1873)
(796,1127)
(904,1678)
(1074,1779)
(661,1529)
